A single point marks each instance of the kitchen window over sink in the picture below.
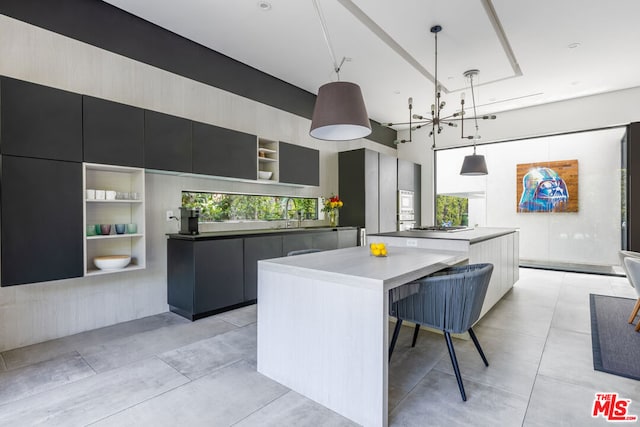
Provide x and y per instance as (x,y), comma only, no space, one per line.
(221,207)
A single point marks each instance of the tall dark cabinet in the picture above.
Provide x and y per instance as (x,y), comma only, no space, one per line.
(41,220)
(633,187)
(368,188)
(40,121)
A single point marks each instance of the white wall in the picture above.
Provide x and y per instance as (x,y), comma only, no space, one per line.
(37,312)
(589,236)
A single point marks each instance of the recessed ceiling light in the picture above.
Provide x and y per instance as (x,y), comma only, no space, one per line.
(397,92)
(575,83)
(264,5)
(573,45)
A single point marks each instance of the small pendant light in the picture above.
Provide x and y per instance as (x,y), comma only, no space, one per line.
(475,163)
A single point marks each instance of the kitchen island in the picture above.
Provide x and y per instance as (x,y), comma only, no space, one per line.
(498,246)
(323,323)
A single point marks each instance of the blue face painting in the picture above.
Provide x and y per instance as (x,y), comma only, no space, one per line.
(543,190)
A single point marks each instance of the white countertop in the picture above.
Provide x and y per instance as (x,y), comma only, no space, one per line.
(474,235)
(356,267)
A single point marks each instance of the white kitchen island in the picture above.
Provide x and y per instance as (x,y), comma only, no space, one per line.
(323,323)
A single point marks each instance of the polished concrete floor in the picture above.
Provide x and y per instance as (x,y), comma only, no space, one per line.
(166,371)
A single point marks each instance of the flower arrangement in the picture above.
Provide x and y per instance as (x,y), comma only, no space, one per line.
(332,203)
(331,206)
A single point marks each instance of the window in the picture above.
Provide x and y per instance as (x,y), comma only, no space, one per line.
(245,207)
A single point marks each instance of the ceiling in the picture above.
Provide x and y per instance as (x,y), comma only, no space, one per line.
(528,52)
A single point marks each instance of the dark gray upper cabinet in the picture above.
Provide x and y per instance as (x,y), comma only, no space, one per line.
(299,165)
(113,133)
(40,121)
(41,243)
(224,152)
(167,142)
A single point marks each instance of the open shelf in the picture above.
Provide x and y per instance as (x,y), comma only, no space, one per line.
(268,159)
(114,211)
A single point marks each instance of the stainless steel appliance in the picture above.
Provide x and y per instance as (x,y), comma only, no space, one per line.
(189,220)
(406,212)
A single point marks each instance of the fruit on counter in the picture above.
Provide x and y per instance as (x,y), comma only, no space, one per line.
(378,249)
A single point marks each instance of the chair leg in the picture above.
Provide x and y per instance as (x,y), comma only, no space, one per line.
(396,332)
(638,326)
(634,313)
(477,343)
(454,362)
(415,335)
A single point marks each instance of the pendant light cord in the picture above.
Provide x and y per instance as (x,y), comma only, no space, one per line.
(475,114)
(325,33)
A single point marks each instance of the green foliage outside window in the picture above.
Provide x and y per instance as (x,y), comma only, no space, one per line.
(451,210)
(245,207)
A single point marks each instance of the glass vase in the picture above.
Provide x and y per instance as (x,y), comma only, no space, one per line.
(333,218)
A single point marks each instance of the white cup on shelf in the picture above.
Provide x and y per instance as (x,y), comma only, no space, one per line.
(100,195)
(110,195)
(91,194)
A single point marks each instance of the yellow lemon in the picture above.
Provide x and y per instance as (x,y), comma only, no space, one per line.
(376,252)
(383,252)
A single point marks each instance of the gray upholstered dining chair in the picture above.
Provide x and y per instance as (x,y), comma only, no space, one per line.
(449,300)
(631,265)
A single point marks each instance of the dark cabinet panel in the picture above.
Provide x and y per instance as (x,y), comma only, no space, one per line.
(41,243)
(40,121)
(180,277)
(299,165)
(167,142)
(325,240)
(219,274)
(255,249)
(358,189)
(388,193)
(296,242)
(633,186)
(347,238)
(113,133)
(224,152)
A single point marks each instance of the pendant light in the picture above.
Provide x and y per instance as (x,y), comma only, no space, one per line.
(339,113)
(475,163)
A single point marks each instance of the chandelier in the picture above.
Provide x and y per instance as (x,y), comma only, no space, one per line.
(437,120)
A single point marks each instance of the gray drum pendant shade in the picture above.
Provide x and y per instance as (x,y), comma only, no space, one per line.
(474,165)
(340,113)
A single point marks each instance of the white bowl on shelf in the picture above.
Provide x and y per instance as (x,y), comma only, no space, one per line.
(112,262)
(264,174)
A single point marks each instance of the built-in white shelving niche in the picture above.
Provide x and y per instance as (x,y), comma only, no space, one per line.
(127,208)
(268,158)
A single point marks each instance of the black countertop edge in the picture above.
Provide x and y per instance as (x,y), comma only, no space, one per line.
(215,235)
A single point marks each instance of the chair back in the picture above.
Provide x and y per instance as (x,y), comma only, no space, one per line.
(632,265)
(449,300)
(627,254)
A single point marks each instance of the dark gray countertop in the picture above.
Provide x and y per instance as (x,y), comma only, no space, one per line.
(473,236)
(214,235)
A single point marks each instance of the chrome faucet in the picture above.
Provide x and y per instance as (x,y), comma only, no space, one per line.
(286,210)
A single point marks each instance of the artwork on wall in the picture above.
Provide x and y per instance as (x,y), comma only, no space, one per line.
(547,186)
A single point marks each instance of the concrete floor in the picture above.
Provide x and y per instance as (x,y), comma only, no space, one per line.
(166,371)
